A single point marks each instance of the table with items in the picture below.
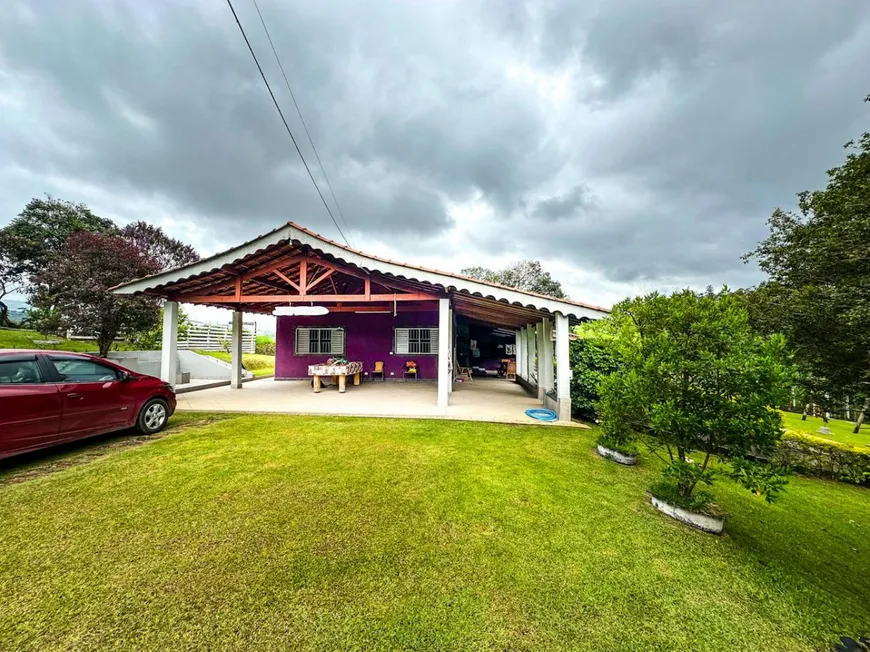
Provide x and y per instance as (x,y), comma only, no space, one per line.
(335,369)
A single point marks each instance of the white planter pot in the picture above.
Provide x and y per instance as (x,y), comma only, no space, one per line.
(710,524)
(616,456)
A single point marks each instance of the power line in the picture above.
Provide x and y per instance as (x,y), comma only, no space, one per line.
(299,111)
(284,120)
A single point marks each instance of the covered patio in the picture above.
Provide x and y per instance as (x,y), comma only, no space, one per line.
(334,302)
(491,399)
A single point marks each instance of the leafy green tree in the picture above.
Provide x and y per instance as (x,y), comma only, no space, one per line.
(80,279)
(526,275)
(152,339)
(695,378)
(37,235)
(818,292)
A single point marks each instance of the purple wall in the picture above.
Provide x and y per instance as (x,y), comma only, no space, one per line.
(368,338)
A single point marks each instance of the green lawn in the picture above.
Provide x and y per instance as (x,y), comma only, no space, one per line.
(257,364)
(25,339)
(279,532)
(841,431)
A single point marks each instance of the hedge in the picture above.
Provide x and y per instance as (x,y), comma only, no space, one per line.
(825,458)
(590,362)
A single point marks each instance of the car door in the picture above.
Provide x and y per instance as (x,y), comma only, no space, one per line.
(30,406)
(94,396)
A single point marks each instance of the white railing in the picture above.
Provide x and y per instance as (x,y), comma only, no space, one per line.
(216,337)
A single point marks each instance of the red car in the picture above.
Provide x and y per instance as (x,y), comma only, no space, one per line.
(53,397)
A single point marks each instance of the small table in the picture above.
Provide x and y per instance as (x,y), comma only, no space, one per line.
(342,371)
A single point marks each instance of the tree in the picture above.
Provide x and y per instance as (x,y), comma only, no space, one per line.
(818,293)
(526,275)
(166,252)
(152,339)
(11,278)
(80,277)
(695,377)
(41,230)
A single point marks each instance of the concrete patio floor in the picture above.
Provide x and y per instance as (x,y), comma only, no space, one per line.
(485,399)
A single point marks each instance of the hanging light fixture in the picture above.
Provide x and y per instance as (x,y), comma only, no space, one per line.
(299,311)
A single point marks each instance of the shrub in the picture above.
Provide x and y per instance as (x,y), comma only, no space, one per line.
(694,376)
(591,361)
(824,457)
(616,443)
(699,501)
(265,345)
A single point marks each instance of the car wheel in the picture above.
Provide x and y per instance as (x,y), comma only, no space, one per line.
(152,416)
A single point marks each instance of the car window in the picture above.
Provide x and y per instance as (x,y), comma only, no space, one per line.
(20,372)
(83,371)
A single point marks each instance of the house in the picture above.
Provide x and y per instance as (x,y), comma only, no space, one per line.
(334,301)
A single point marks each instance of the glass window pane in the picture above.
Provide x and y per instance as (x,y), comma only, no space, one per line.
(24,372)
(83,371)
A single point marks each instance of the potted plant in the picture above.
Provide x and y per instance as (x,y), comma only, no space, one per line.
(695,508)
(697,382)
(616,448)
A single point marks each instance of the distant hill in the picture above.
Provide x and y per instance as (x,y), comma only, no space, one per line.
(17,309)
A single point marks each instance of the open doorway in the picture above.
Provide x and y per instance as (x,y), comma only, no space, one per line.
(487,351)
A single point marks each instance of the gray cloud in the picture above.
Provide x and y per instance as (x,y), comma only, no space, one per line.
(647,140)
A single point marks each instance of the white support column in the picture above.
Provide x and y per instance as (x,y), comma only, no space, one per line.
(563,368)
(519,352)
(443,353)
(169,350)
(539,347)
(530,352)
(546,354)
(236,351)
(452,349)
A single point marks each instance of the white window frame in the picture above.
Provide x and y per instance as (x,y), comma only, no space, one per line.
(337,340)
(403,342)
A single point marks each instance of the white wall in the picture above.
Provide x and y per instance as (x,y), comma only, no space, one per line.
(200,367)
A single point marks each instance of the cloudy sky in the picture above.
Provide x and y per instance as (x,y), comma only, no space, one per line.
(629,145)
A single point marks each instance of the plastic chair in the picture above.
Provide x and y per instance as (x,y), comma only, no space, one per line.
(378,368)
(410,370)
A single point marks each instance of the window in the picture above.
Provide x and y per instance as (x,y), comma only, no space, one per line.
(79,370)
(19,372)
(319,341)
(416,341)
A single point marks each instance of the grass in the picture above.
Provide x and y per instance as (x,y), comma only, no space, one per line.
(281,532)
(26,339)
(841,431)
(257,364)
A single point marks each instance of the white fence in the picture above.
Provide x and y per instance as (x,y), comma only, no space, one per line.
(216,337)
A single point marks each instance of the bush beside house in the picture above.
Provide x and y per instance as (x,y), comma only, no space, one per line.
(591,361)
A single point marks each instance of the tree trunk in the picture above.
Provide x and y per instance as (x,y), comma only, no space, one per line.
(860,420)
(104,343)
(4,315)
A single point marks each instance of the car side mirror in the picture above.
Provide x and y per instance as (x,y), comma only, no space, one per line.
(126,377)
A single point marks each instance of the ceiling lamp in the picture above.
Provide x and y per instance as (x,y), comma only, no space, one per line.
(299,311)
